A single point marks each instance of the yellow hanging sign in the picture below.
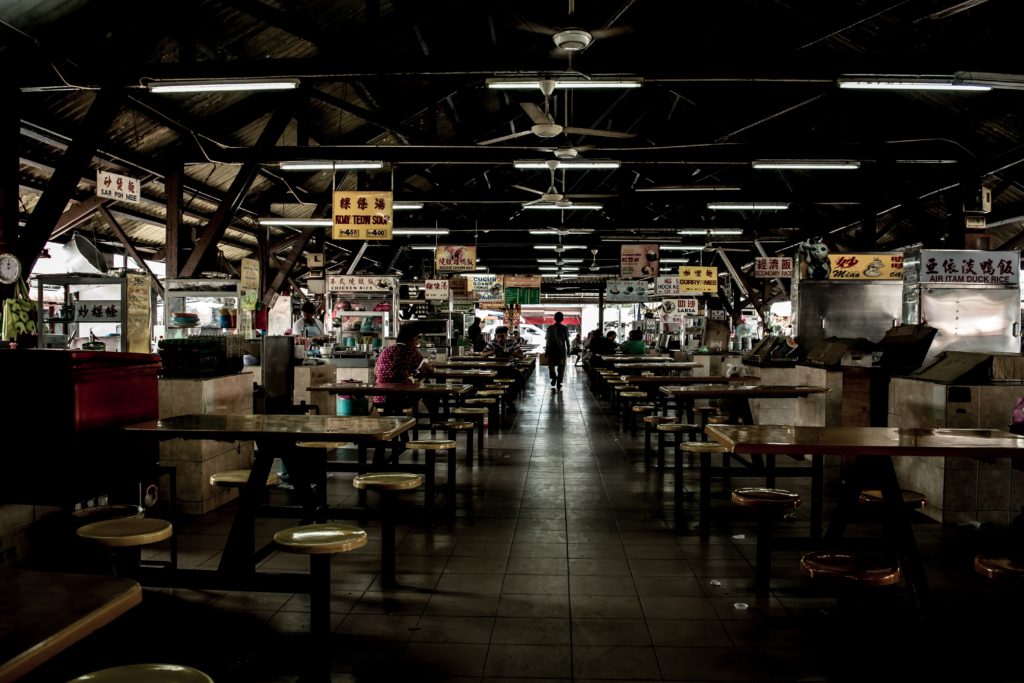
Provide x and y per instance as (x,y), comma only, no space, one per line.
(700,279)
(361,216)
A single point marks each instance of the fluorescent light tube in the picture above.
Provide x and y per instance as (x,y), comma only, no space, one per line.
(690,188)
(675,260)
(297,222)
(420,231)
(555,260)
(555,247)
(566,165)
(559,268)
(717,232)
(406,206)
(681,247)
(869,82)
(563,84)
(571,207)
(746,206)
(817,164)
(328,165)
(422,247)
(222,85)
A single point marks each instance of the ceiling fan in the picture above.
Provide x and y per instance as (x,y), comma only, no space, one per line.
(544,125)
(593,264)
(572,39)
(552,197)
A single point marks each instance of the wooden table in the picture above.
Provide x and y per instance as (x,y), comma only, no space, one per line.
(739,394)
(275,436)
(44,613)
(472,376)
(419,390)
(659,368)
(868,454)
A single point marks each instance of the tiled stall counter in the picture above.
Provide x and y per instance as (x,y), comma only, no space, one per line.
(959,489)
(196,460)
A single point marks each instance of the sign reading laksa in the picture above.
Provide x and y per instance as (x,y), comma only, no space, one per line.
(361,216)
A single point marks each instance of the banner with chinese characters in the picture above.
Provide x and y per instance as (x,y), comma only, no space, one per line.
(360,283)
(698,279)
(249,281)
(436,290)
(454,258)
(106,311)
(773,266)
(139,321)
(361,216)
(638,260)
(667,286)
(120,187)
(887,266)
(525,281)
(625,291)
(970,267)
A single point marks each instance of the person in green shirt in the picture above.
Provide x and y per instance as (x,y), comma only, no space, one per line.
(635,346)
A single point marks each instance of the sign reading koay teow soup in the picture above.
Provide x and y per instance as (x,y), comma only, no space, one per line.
(361,216)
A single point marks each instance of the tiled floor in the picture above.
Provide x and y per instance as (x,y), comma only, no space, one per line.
(563,566)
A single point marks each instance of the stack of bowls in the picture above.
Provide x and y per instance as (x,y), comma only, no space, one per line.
(183,319)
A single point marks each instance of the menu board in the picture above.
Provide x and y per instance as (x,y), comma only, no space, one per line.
(886,266)
(139,320)
(625,291)
(361,216)
(970,267)
(698,279)
(638,260)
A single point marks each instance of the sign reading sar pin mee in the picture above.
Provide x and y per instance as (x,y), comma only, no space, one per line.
(120,187)
(361,216)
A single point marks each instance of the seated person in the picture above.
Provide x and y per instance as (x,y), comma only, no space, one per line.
(401,363)
(635,346)
(502,348)
(602,346)
(307,325)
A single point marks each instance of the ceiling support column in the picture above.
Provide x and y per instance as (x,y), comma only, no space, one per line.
(10,132)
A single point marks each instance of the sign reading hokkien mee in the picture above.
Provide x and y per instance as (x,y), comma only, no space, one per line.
(361,216)
(970,267)
(120,187)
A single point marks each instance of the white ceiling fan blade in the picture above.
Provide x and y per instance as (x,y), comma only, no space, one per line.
(596,132)
(535,113)
(528,189)
(603,33)
(511,136)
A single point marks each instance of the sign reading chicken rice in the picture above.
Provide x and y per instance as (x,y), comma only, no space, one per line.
(638,260)
(454,258)
(361,216)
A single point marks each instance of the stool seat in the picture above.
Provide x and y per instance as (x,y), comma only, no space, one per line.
(127,532)
(859,568)
(326,445)
(238,478)
(457,425)
(998,567)
(145,673)
(775,499)
(481,401)
(490,392)
(103,512)
(387,481)
(633,394)
(470,411)
(701,447)
(911,499)
(658,419)
(642,409)
(504,381)
(430,444)
(673,426)
(320,539)
(718,420)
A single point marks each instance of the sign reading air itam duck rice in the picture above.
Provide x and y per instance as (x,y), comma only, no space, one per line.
(970,267)
(361,216)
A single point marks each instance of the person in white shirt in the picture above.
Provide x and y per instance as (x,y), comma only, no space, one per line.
(306,325)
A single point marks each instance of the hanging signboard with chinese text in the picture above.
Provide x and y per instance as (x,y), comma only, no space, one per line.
(120,187)
(436,290)
(675,310)
(698,279)
(454,258)
(638,260)
(625,291)
(886,266)
(773,266)
(970,267)
(360,283)
(249,281)
(361,216)
(667,286)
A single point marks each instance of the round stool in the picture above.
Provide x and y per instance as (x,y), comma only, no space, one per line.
(236,479)
(452,427)
(1000,568)
(388,484)
(100,513)
(671,427)
(116,535)
(650,422)
(477,416)
(768,503)
(705,450)
(492,409)
(430,446)
(872,498)
(320,541)
(850,568)
(145,673)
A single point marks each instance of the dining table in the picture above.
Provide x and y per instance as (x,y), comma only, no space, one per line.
(868,455)
(44,613)
(433,394)
(275,436)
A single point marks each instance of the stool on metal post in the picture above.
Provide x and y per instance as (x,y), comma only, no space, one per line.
(477,416)
(387,484)
(768,503)
(320,542)
(671,427)
(452,428)
(430,446)
(650,422)
(145,673)
(492,410)
(116,535)
(850,571)
(705,450)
